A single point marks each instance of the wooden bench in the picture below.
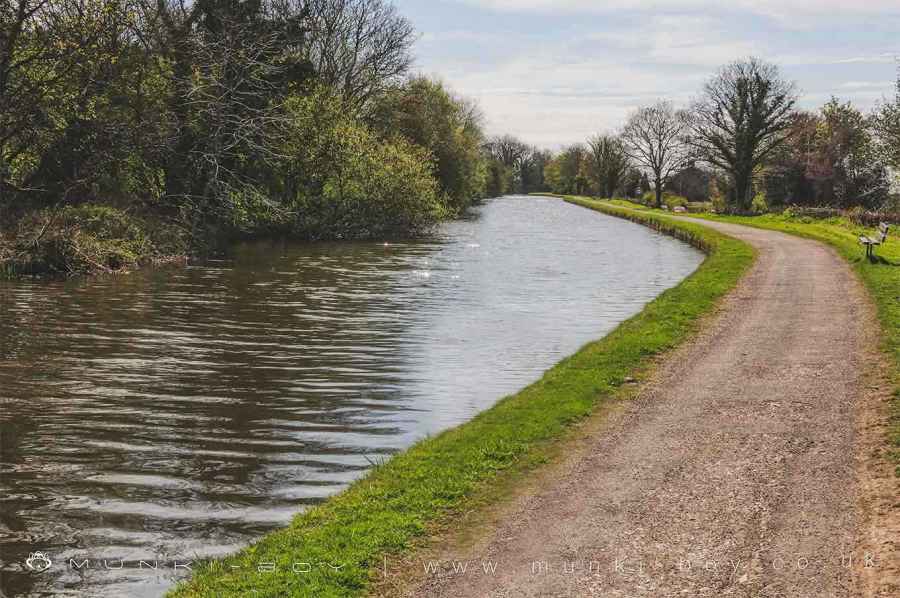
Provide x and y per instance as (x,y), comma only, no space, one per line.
(872,242)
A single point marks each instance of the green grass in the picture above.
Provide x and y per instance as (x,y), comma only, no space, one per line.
(413,494)
(881,277)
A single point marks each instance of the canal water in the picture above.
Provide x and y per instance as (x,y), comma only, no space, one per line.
(181,413)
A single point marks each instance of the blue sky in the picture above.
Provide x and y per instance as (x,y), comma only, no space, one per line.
(555,71)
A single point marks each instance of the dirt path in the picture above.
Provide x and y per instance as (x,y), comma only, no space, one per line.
(734,473)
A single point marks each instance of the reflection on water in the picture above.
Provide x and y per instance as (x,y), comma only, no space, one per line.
(182,413)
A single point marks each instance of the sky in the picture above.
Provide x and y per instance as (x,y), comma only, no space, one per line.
(554,72)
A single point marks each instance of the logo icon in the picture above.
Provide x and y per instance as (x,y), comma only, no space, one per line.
(38,561)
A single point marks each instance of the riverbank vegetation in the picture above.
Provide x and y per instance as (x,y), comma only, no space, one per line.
(403,500)
(137,131)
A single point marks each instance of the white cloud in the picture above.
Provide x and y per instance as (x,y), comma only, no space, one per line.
(775,8)
(883,58)
(556,86)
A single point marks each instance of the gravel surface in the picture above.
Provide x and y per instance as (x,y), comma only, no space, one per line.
(733,473)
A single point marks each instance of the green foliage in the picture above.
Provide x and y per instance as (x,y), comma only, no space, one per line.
(427,114)
(671,200)
(568,172)
(759,204)
(230,118)
(345,182)
(499,179)
(439,477)
(78,240)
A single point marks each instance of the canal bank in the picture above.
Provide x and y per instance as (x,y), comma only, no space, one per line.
(413,496)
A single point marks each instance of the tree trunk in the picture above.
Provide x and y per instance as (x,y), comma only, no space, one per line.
(742,192)
(658,186)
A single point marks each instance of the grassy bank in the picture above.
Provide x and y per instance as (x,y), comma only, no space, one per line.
(419,490)
(881,278)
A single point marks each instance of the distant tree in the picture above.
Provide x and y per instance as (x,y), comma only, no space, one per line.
(886,125)
(846,161)
(508,150)
(785,177)
(566,172)
(744,116)
(655,139)
(539,160)
(691,182)
(573,175)
(631,183)
(499,177)
(608,163)
(521,160)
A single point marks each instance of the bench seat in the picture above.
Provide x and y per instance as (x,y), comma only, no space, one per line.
(871,243)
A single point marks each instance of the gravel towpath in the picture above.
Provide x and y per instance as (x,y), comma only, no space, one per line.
(733,473)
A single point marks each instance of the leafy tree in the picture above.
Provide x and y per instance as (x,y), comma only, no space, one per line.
(427,114)
(845,162)
(886,125)
(567,171)
(340,180)
(745,115)
(524,163)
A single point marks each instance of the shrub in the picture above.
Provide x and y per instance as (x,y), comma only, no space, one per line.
(668,199)
(673,200)
(759,205)
(697,207)
(345,182)
(75,240)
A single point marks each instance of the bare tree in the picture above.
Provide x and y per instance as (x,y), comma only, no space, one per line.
(609,163)
(745,114)
(508,150)
(359,47)
(655,139)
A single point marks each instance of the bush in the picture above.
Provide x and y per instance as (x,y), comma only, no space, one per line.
(759,205)
(673,200)
(75,240)
(698,207)
(345,182)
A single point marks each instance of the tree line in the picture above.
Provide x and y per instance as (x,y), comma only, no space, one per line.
(144,129)
(135,128)
(746,147)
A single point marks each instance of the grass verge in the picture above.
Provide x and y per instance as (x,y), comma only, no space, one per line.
(344,539)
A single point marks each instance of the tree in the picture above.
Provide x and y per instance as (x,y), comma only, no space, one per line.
(846,162)
(533,176)
(886,124)
(565,173)
(655,139)
(427,114)
(360,48)
(608,163)
(744,116)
